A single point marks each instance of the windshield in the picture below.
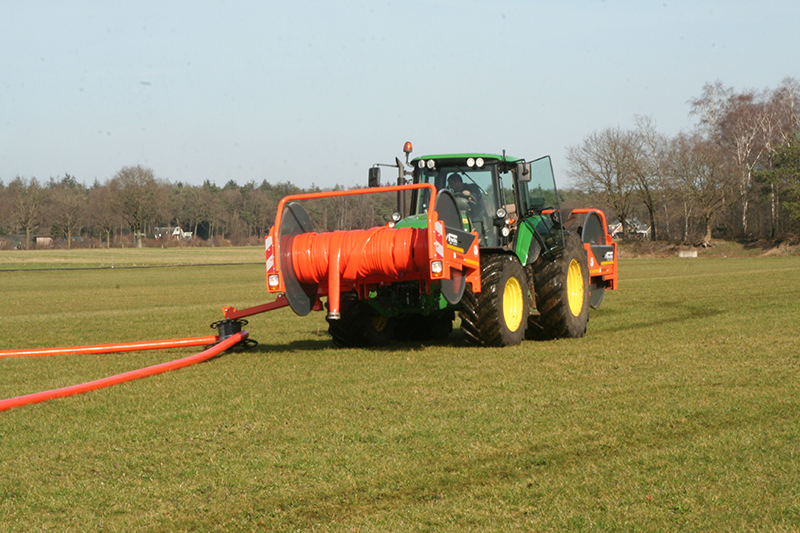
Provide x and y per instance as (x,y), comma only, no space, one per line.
(474,191)
(462,180)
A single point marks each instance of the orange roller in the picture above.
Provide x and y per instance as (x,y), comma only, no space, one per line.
(360,253)
(357,254)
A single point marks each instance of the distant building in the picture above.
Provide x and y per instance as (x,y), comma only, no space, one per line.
(170,231)
(636,229)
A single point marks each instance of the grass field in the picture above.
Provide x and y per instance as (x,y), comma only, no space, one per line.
(679,411)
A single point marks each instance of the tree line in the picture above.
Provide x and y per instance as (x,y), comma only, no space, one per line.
(735,175)
(134,207)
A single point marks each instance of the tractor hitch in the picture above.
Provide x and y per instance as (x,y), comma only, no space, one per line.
(228,328)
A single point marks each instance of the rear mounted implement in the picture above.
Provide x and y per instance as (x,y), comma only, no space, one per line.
(440,258)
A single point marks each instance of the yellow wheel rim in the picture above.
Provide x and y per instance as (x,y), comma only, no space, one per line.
(379,322)
(512,304)
(575,287)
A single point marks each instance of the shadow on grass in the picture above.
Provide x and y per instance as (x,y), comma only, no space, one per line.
(310,345)
(324,342)
(684,313)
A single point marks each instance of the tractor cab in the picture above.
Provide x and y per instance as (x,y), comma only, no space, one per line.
(501,198)
(480,186)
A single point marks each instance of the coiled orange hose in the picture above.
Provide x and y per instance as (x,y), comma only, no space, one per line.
(359,253)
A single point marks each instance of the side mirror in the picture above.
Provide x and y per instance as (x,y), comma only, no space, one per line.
(375,176)
(523,171)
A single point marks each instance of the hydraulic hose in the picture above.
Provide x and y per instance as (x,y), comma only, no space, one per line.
(127,376)
(112,348)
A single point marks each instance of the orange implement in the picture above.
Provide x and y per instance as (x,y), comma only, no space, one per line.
(305,265)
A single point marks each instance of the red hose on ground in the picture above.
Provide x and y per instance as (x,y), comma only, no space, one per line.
(112,348)
(127,376)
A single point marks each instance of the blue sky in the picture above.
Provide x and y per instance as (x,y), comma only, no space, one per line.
(316,92)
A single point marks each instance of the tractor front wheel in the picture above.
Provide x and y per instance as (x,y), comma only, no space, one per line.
(562,293)
(498,315)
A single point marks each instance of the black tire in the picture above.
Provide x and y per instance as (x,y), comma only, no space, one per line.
(436,326)
(360,326)
(498,315)
(562,293)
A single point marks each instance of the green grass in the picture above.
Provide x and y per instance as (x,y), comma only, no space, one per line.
(679,411)
(11,260)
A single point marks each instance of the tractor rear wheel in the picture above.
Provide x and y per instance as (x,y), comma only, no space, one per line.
(498,315)
(562,293)
(360,326)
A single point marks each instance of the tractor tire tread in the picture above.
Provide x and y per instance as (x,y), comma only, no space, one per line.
(555,320)
(481,314)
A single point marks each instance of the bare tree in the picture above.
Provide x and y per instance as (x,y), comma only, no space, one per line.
(785,104)
(25,200)
(68,200)
(136,195)
(602,165)
(699,165)
(734,121)
(710,106)
(648,148)
(230,204)
(264,210)
(778,123)
(103,213)
(741,136)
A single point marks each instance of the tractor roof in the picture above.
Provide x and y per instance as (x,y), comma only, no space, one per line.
(441,157)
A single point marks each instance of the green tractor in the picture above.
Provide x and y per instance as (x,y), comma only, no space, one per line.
(540,269)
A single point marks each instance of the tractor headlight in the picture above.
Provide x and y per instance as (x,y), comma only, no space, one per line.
(396,217)
(471,162)
(437,267)
(273,280)
(431,163)
(421,163)
(506,231)
(479,162)
(501,213)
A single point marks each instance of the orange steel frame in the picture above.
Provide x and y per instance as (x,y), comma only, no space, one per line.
(377,267)
(599,268)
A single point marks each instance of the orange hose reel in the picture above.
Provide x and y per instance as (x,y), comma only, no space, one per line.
(355,255)
(306,265)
